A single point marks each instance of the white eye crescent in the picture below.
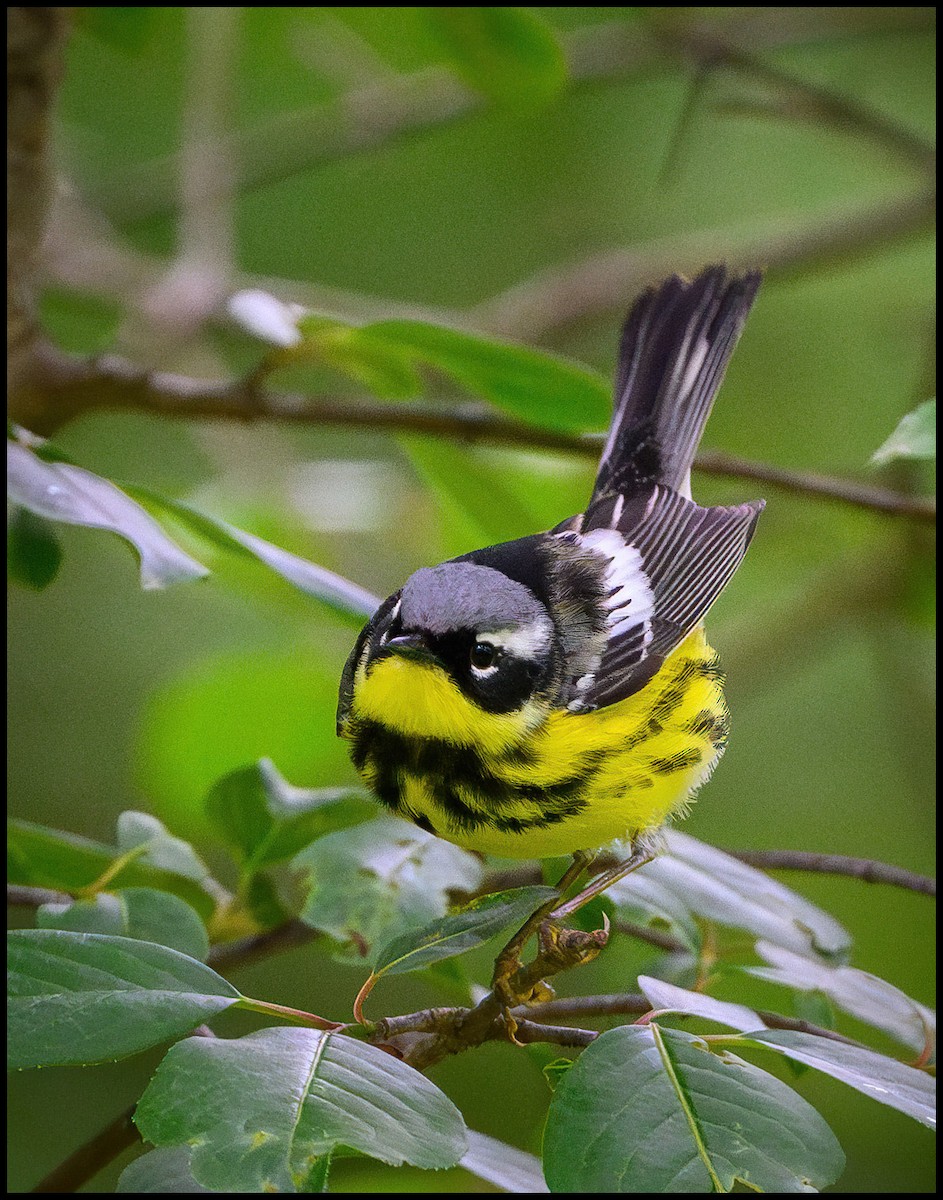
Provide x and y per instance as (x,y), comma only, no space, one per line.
(484,658)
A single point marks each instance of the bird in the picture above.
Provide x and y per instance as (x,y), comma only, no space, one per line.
(554,694)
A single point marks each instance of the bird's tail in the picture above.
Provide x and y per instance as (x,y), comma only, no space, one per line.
(676,343)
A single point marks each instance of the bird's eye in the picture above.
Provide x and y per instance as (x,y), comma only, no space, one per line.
(483,655)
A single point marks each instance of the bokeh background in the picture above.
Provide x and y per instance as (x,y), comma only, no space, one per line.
(363,178)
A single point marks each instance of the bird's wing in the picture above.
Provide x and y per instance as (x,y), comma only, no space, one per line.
(667,560)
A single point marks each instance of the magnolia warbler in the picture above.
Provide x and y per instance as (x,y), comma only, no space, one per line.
(552,694)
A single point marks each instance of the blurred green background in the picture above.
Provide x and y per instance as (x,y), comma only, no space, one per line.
(124,699)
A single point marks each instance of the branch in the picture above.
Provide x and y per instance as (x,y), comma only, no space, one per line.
(390,109)
(564,295)
(22,896)
(82,1166)
(93,1157)
(845,114)
(71,386)
(229,956)
(868,869)
(634,1003)
(35,43)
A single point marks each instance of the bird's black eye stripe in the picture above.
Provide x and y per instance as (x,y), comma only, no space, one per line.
(483,655)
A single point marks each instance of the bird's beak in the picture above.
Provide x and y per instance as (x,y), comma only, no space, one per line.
(409,645)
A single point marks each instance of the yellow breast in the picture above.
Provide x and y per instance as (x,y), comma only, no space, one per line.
(539,782)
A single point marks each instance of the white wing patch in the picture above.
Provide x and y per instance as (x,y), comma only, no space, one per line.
(630,602)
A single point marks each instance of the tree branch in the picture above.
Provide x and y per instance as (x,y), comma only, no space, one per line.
(563,295)
(35,42)
(72,386)
(391,108)
(86,1162)
(23,896)
(868,869)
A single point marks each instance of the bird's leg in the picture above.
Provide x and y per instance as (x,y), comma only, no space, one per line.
(596,886)
(508,962)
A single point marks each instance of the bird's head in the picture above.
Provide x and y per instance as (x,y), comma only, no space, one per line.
(459,643)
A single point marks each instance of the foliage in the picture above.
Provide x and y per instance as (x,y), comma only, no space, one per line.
(423,159)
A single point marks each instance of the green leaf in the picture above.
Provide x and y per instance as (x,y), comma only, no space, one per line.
(164,1170)
(33,550)
(265,819)
(865,996)
(914,437)
(78,998)
(371,883)
(884,1079)
(508,54)
(159,847)
(646,1109)
(41,857)
(533,385)
(344,597)
(385,368)
(62,492)
(142,913)
(718,886)
(471,926)
(260,1111)
(504,1166)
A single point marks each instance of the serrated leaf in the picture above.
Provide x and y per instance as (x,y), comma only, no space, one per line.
(164,1170)
(536,386)
(34,553)
(662,995)
(859,993)
(260,1111)
(78,998)
(142,913)
(471,926)
(266,820)
(342,595)
(884,1079)
(372,882)
(504,1166)
(914,437)
(41,857)
(718,886)
(508,54)
(646,1109)
(62,492)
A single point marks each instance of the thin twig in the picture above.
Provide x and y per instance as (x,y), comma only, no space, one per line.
(563,295)
(86,1162)
(101,1149)
(868,869)
(230,956)
(23,896)
(634,1003)
(73,386)
(392,108)
(841,111)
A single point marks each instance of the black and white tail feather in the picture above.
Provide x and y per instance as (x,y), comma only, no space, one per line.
(668,558)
